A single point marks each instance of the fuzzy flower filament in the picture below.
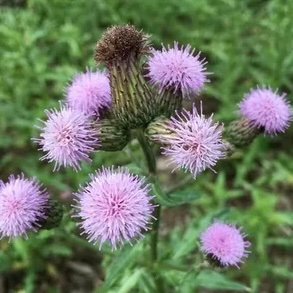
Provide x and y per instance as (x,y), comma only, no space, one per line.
(67,137)
(177,69)
(23,203)
(194,142)
(89,92)
(225,243)
(114,207)
(266,109)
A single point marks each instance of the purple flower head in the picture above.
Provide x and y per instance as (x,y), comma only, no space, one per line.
(196,142)
(68,137)
(22,206)
(265,108)
(177,68)
(89,92)
(114,207)
(225,243)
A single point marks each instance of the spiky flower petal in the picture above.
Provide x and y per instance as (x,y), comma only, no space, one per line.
(22,206)
(89,92)
(114,207)
(177,69)
(192,141)
(67,137)
(224,243)
(266,109)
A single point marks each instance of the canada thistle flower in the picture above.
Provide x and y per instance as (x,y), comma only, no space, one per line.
(22,205)
(114,207)
(266,109)
(192,141)
(225,244)
(177,69)
(89,92)
(67,137)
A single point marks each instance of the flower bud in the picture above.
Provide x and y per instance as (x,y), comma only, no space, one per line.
(54,214)
(168,102)
(133,101)
(241,132)
(111,137)
(159,131)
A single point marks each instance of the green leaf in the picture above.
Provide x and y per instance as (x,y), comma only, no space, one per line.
(183,197)
(281,272)
(130,281)
(5,262)
(147,283)
(214,280)
(123,260)
(58,249)
(133,168)
(30,281)
(174,199)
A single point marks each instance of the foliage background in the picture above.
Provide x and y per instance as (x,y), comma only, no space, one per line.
(43,43)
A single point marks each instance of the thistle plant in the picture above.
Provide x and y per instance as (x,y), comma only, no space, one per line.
(136,95)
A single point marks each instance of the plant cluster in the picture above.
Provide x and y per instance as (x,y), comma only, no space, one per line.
(138,95)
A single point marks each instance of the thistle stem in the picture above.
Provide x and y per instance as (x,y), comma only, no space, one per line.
(151,163)
(148,152)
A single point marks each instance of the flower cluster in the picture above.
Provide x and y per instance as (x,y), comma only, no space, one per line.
(138,95)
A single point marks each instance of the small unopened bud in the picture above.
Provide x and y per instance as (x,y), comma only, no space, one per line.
(159,130)
(241,133)
(111,137)
(54,214)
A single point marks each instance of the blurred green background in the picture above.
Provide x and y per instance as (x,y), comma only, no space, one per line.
(246,43)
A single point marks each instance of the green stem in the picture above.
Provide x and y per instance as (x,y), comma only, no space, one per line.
(195,270)
(148,152)
(171,266)
(151,163)
(155,234)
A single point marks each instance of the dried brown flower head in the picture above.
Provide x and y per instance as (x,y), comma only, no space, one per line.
(121,43)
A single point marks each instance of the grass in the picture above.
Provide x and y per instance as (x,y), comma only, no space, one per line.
(246,43)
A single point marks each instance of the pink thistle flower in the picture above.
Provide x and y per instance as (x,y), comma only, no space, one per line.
(225,243)
(22,205)
(114,207)
(196,142)
(265,108)
(178,69)
(89,92)
(68,137)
